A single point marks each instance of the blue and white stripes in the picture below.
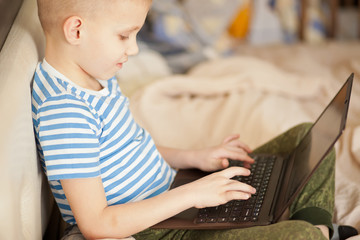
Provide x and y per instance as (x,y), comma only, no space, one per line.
(82,133)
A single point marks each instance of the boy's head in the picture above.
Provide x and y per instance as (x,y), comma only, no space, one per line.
(53,13)
(97,36)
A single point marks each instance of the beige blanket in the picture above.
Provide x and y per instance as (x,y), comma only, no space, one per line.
(259,95)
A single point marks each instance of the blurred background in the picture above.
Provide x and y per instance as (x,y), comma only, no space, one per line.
(180,34)
(187,31)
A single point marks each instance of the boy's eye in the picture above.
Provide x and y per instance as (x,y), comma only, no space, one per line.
(122,37)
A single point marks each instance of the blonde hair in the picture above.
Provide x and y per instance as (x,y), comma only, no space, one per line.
(53,13)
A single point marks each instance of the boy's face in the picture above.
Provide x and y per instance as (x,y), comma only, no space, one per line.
(110,37)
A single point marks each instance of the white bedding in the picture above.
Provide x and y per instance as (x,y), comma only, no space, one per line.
(259,94)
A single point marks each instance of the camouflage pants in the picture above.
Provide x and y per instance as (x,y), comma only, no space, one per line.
(317,198)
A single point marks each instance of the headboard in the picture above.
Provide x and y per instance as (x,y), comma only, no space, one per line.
(8,12)
(25,203)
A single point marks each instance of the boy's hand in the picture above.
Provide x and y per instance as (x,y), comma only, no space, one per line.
(218,188)
(215,158)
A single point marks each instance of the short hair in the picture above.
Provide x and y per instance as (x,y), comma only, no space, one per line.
(53,13)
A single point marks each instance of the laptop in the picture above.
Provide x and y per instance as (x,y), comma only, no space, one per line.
(277,178)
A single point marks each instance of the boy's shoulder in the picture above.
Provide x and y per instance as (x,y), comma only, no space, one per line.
(52,92)
(47,87)
(53,100)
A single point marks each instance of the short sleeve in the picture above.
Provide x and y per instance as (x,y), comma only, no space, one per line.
(68,136)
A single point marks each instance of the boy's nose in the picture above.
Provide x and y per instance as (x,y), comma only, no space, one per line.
(132,48)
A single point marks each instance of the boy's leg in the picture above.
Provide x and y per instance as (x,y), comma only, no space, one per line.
(315,200)
(72,232)
(285,230)
(315,203)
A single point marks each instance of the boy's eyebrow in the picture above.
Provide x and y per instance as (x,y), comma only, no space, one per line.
(130,29)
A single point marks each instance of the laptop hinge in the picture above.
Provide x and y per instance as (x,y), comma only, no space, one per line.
(277,207)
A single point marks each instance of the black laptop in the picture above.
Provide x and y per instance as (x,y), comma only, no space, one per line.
(277,178)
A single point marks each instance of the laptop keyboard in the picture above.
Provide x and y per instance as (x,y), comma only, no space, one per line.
(243,210)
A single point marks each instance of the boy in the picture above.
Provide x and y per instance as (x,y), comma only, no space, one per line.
(106,174)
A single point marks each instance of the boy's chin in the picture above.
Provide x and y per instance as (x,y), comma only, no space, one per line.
(106,76)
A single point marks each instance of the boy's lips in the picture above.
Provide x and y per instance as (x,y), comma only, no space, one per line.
(120,64)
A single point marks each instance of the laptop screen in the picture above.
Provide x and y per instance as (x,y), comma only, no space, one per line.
(320,139)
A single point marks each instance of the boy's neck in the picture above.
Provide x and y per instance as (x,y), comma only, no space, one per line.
(63,64)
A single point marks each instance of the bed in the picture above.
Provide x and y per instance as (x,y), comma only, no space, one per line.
(259,92)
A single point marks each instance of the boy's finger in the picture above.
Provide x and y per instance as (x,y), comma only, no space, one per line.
(244,146)
(239,155)
(235,171)
(241,145)
(231,137)
(238,195)
(247,165)
(240,186)
(238,143)
(224,163)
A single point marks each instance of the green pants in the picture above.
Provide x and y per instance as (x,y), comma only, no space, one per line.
(313,206)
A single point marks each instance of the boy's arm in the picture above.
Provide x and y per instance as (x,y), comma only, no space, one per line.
(208,159)
(98,220)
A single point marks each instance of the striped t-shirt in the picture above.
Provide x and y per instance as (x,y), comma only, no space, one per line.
(82,133)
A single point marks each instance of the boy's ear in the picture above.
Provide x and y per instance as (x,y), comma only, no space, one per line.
(72,29)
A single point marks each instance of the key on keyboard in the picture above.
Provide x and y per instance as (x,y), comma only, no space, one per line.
(243,210)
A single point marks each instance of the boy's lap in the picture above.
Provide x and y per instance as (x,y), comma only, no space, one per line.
(73,233)
(292,229)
